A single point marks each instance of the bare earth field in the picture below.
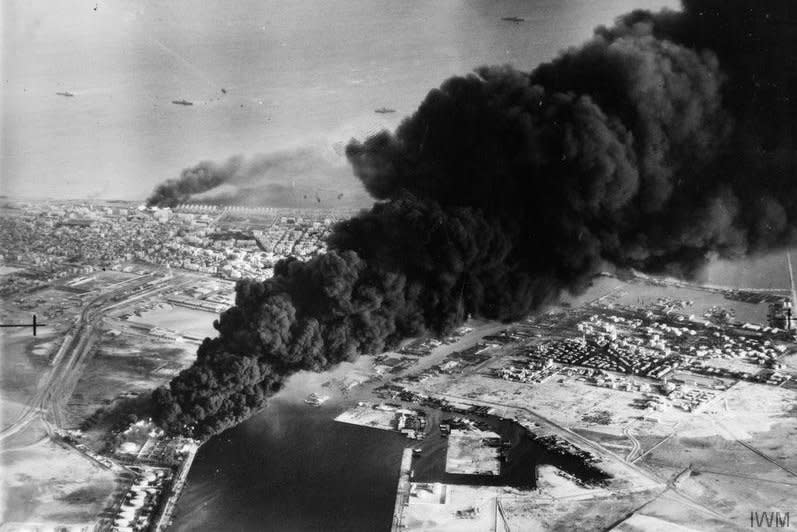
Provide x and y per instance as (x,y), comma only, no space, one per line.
(467,454)
(588,514)
(196,323)
(367,416)
(737,458)
(20,366)
(102,279)
(476,504)
(43,482)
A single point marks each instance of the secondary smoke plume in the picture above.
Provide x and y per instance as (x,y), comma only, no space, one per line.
(205,176)
(663,139)
(289,178)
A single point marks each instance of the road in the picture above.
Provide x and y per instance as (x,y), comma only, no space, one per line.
(598,450)
(756,451)
(636,447)
(56,387)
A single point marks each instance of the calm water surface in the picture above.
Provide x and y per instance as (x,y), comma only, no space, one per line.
(293,468)
(297,73)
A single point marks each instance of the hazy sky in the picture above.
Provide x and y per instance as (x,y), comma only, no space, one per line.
(305,73)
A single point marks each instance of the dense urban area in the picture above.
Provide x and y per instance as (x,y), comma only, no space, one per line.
(618,406)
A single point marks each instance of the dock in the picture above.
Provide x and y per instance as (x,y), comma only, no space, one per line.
(402,491)
(791,280)
(177,488)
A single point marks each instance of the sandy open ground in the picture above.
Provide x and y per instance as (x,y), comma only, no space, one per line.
(44,482)
(647,523)
(477,504)
(20,367)
(540,512)
(196,323)
(467,454)
(738,456)
(367,416)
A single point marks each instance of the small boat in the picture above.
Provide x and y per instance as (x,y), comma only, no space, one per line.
(182,102)
(316,400)
(384,110)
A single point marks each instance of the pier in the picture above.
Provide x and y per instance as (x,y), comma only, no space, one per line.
(179,483)
(791,280)
(402,491)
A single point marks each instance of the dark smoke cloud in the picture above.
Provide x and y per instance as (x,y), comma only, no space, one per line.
(663,140)
(205,176)
(289,178)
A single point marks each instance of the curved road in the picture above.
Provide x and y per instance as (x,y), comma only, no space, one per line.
(636,447)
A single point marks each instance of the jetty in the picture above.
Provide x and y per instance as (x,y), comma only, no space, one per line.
(177,488)
(403,490)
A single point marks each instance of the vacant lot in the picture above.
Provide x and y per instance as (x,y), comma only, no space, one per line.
(468,454)
(43,482)
(466,509)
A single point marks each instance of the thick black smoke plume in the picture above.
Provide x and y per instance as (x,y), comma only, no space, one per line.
(664,139)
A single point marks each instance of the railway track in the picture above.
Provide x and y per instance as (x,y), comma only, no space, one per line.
(56,387)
